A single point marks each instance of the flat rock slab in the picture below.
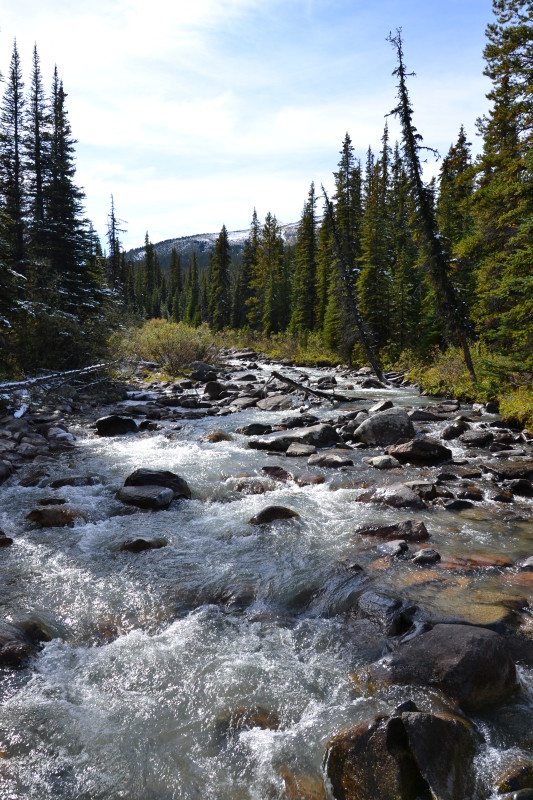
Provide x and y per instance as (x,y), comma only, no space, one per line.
(53,516)
(408,530)
(330,458)
(275,402)
(115,425)
(297,450)
(159,477)
(471,665)
(279,441)
(153,497)
(397,495)
(512,470)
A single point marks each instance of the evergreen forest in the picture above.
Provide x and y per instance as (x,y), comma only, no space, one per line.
(390,268)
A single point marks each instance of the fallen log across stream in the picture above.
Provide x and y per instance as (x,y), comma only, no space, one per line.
(332,397)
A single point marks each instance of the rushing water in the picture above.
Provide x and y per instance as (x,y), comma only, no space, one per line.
(151,654)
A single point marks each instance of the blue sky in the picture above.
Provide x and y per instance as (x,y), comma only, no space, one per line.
(193,112)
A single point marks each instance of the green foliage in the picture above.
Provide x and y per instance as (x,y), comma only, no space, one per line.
(307,349)
(516,407)
(172,345)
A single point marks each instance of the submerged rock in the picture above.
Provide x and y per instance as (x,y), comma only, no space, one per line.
(54,516)
(15,647)
(139,545)
(409,531)
(472,665)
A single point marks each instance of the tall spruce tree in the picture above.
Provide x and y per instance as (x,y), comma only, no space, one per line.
(37,156)
(503,205)
(269,274)
(192,310)
(304,296)
(219,284)
(12,188)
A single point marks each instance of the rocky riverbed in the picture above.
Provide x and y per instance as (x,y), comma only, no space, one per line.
(261,581)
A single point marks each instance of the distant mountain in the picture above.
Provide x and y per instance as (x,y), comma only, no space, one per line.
(203,244)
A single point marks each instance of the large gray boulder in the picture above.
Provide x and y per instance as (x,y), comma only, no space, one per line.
(317,435)
(471,665)
(420,451)
(385,427)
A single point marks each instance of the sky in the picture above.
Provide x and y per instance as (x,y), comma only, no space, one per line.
(192,113)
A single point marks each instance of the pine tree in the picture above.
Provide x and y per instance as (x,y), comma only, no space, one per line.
(219,284)
(192,311)
(12,187)
(503,204)
(269,274)
(252,282)
(348,206)
(325,258)
(115,274)
(175,287)
(304,297)
(37,156)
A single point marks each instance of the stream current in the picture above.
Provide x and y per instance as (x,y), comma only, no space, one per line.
(151,653)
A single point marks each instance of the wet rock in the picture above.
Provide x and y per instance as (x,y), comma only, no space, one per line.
(513,469)
(477,438)
(408,530)
(454,430)
(424,489)
(279,441)
(15,646)
(158,477)
(411,756)
(382,462)
(303,787)
(200,371)
(244,718)
(241,403)
(297,450)
(273,513)
(458,505)
(470,492)
(5,541)
(521,794)
(471,665)
(114,425)
(214,390)
(75,480)
(6,469)
(139,545)
(275,402)
(397,495)
(255,429)
(54,516)
(309,479)
(385,428)
(381,405)
(302,421)
(277,474)
(330,458)
(420,451)
(501,496)
(426,556)
(152,496)
(382,610)
(520,487)
(517,777)
(396,548)
(423,415)
(525,564)
(216,436)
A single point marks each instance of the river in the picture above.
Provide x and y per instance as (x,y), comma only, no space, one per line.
(153,657)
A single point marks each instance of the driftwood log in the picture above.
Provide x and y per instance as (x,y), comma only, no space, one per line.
(331,396)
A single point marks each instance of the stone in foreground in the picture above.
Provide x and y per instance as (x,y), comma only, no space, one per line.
(420,451)
(471,665)
(273,513)
(160,477)
(114,425)
(385,427)
(153,497)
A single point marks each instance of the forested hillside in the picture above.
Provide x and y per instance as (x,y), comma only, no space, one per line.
(417,267)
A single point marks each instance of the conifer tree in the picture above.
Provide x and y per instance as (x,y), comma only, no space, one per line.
(12,187)
(175,287)
(252,282)
(115,274)
(37,155)
(268,277)
(304,297)
(192,311)
(325,258)
(219,284)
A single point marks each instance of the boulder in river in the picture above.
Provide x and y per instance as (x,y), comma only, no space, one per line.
(273,513)
(385,428)
(15,647)
(275,402)
(408,530)
(317,435)
(6,469)
(152,496)
(330,458)
(115,425)
(54,516)
(471,665)
(420,451)
(408,756)
(160,477)
(396,495)
(5,541)
(140,544)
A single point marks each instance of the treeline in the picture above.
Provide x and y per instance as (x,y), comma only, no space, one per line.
(414,266)
(426,266)
(53,290)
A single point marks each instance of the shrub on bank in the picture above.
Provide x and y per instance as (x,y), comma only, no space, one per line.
(171,345)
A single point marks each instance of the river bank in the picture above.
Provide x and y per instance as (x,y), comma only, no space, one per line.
(222,656)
